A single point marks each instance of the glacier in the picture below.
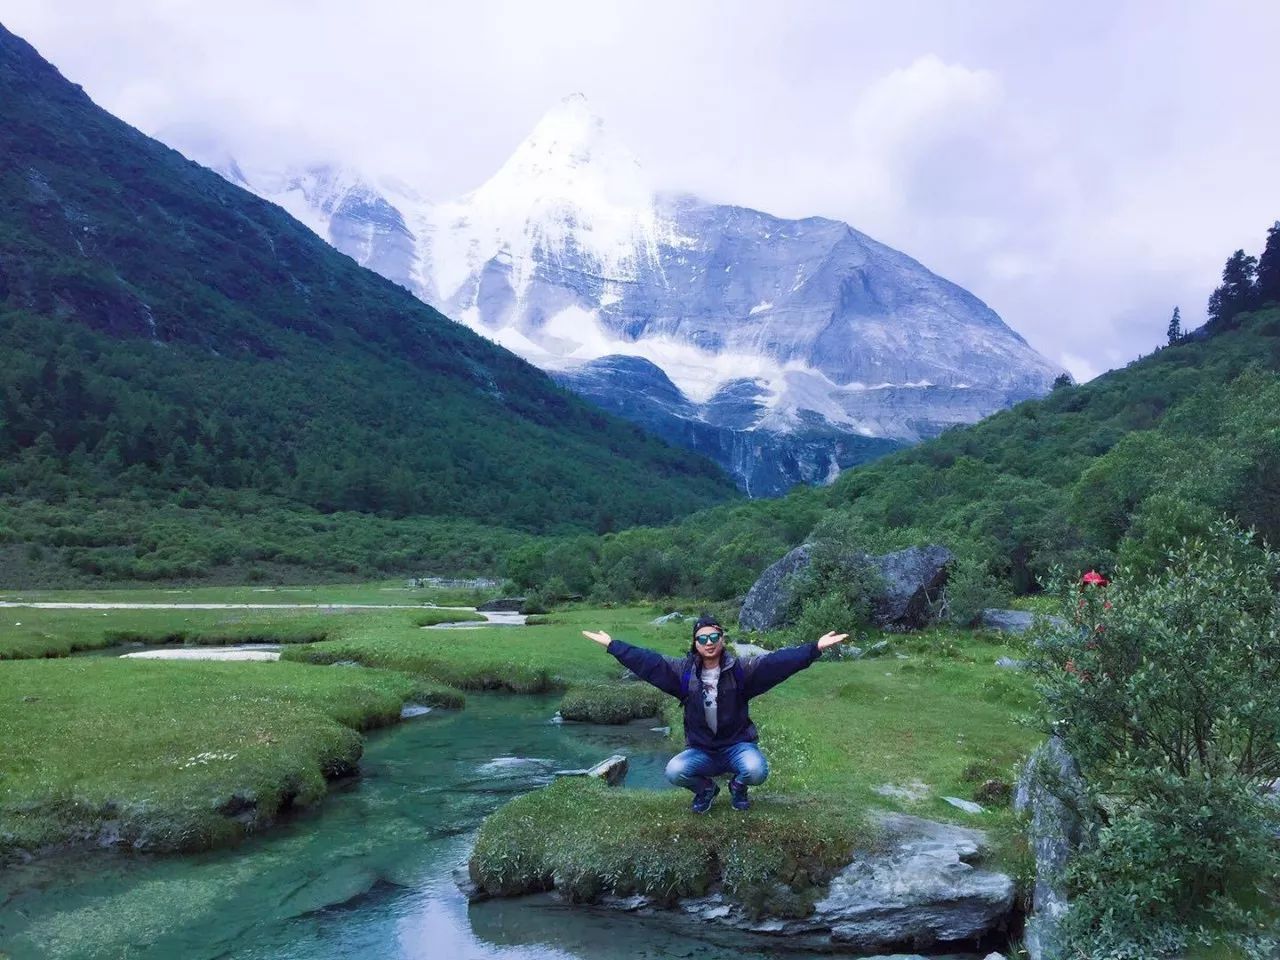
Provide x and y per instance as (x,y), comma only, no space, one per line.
(786,350)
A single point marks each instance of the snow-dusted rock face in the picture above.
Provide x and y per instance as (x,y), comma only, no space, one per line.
(786,345)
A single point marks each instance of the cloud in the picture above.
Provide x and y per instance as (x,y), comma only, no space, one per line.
(1081,169)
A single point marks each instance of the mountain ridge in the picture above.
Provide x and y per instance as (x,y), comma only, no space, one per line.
(567,255)
(167,333)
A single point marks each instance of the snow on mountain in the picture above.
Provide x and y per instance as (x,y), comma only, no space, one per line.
(802,345)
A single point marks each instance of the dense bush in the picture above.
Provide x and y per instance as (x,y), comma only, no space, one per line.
(1165,689)
(971,589)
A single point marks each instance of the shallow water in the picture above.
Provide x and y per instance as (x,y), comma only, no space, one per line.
(367,874)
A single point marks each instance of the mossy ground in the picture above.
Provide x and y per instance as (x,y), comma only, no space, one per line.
(383,592)
(117,745)
(175,756)
(933,718)
(27,632)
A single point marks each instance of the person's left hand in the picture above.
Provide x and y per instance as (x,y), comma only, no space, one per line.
(830,639)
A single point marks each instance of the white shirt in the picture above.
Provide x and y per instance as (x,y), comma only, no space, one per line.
(710,685)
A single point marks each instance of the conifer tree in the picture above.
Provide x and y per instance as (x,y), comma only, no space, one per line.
(1237,291)
(1268,284)
(1175,326)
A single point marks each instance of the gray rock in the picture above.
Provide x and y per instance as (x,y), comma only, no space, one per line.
(1051,792)
(1009,621)
(767,601)
(612,770)
(411,710)
(918,889)
(674,617)
(501,605)
(748,650)
(877,649)
(911,579)
(968,806)
(1008,663)
(469,888)
(1012,621)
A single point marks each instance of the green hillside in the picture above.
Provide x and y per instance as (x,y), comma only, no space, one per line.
(1113,470)
(167,338)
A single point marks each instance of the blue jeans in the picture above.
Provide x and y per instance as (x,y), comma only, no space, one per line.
(693,769)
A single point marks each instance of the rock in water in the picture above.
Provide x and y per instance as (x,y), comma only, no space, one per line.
(920,888)
(612,770)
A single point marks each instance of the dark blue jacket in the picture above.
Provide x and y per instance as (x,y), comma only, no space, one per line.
(741,678)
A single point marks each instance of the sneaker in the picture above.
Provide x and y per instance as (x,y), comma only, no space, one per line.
(702,799)
(738,795)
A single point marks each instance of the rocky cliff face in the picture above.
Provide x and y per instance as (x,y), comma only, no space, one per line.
(794,348)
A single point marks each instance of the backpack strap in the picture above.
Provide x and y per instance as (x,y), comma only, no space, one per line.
(684,682)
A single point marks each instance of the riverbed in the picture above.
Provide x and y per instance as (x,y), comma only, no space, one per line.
(366,874)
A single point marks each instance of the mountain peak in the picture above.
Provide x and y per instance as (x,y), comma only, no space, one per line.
(570,155)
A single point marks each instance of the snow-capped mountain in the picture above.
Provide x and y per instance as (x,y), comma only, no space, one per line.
(785,349)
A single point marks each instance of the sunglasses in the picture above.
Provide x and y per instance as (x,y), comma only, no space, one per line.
(709,638)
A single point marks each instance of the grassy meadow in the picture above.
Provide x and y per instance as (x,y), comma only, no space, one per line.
(184,756)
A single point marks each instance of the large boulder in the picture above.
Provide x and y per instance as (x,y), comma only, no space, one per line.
(769,598)
(1053,796)
(910,581)
(919,888)
(913,578)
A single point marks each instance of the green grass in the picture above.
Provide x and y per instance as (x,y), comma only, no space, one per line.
(175,756)
(612,703)
(106,741)
(382,592)
(27,632)
(533,659)
(939,723)
(587,839)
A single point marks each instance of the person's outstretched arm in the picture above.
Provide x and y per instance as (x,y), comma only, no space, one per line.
(771,669)
(648,665)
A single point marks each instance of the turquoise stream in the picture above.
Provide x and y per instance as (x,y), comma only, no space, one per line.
(367,874)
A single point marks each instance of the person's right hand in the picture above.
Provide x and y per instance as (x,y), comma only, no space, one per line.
(601,637)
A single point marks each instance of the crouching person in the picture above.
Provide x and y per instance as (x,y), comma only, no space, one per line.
(714,686)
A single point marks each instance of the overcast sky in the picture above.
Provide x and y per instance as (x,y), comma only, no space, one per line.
(1080,167)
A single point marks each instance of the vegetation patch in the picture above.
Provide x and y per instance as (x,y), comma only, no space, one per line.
(586,840)
(27,632)
(612,703)
(175,756)
(529,659)
(1164,691)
